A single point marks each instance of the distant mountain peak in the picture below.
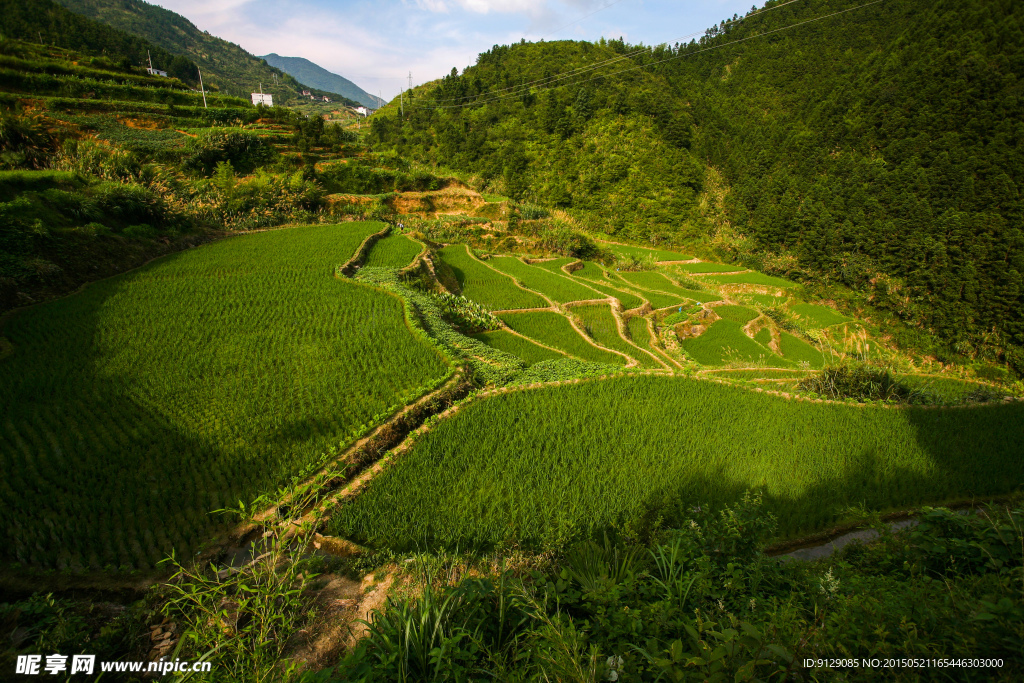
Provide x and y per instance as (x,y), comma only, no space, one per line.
(316,76)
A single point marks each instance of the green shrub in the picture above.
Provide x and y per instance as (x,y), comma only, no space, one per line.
(246,151)
(860,382)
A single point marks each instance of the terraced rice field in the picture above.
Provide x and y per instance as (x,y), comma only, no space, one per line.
(707,267)
(724,342)
(750,279)
(651,281)
(764,299)
(554,330)
(503,340)
(643,252)
(599,321)
(800,351)
(393,251)
(817,316)
(555,265)
(486,286)
(559,288)
(737,314)
(114,454)
(543,467)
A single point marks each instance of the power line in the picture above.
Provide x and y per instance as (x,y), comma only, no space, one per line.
(517,89)
(661,61)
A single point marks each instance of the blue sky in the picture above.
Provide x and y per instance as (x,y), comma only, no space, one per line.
(377,44)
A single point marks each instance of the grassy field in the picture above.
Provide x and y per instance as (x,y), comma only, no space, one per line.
(642,253)
(639,332)
(394,251)
(134,408)
(600,322)
(554,330)
(724,342)
(558,287)
(486,286)
(503,340)
(764,299)
(817,316)
(542,467)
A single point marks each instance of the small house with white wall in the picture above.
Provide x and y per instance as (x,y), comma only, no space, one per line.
(260,98)
(362,111)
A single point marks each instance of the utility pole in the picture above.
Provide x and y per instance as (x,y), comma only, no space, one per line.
(401,102)
(201,86)
(410,80)
(150,58)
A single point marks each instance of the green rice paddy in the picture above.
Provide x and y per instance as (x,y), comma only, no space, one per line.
(393,251)
(799,351)
(540,468)
(503,340)
(559,288)
(817,316)
(737,314)
(724,342)
(486,286)
(599,321)
(705,267)
(554,330)
(135,407)
(750,279)
(643,252)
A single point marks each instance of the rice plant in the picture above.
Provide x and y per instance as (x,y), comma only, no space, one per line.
(133,408)
(553,329)
(545,467)
(560,288)
(394,251)
(485,285)
(724,342)
(504,340)
(599,322)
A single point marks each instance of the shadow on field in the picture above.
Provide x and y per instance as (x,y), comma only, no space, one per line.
(93,477)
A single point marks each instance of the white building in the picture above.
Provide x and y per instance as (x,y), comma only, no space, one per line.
(362,111)
(156,72)
(260,98)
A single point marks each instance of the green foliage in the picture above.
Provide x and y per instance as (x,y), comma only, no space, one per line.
(705,267)
(554,330)
(226,66)
(186,423)
(25,141)
(701,602)
(363,177)
(244,150)
(69,30)
(467,315)
(569,243)
(861,382)
(544,467)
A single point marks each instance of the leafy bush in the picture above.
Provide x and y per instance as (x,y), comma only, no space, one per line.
(860,382)
(25,141)
(246,151)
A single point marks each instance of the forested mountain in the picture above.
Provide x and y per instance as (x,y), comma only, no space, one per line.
(316,76)
(225,66)
(47,22)
(878,145)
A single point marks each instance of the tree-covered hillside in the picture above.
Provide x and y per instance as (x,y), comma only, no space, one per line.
(47,22)
(225,66)
(875,145)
